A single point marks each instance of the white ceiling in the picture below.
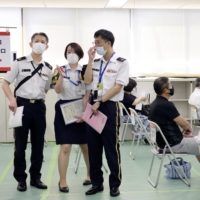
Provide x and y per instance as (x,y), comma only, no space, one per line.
(149,4)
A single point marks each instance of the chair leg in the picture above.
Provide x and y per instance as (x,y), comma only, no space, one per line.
(133,155)
(77,160)
(122,135)
(159,171)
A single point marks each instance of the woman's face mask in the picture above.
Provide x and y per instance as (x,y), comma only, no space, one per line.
(72,58)
(39,48)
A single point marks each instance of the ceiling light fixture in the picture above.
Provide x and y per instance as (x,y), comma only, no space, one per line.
(116,3)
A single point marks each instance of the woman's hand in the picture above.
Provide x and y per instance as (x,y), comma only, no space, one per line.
(79,119)
(61,71)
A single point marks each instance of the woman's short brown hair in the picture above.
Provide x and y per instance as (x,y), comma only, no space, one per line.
(77,49)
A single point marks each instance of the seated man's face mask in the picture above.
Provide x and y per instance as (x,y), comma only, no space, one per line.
(171,91)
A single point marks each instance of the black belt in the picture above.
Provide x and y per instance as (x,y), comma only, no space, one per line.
(31,100)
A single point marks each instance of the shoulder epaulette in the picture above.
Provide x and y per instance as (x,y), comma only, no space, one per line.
(54,78)
(95,69)
(22,58)
(48,65)
(121,59)
(55,73)
(98,59)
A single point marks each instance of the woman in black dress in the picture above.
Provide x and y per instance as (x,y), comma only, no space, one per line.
(68,83)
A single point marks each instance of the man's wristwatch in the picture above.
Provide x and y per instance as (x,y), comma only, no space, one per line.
(99,100)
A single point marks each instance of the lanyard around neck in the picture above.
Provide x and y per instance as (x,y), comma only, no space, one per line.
(102,72)
(74,83)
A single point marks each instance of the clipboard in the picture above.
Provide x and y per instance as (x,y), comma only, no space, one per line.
(97,122)
(71,109)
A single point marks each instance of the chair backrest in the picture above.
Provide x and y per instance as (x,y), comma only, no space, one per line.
(135,118)
(158,129)
(122,107)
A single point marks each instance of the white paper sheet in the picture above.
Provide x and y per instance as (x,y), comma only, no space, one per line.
(16,120)
(138,106)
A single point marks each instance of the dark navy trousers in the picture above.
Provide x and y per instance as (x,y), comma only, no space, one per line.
(33,120)
(109,140)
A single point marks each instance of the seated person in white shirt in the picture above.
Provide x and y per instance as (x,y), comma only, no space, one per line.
(195,96)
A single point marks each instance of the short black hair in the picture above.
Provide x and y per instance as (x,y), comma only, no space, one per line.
(197,83)
(160,84)
(106,35)
(77,49)
(132,84)
(42,34)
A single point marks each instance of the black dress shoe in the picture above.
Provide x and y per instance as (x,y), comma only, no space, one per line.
(38,184)
(63,189)
(22,186)
(114,192)
(94,190)
(87,182)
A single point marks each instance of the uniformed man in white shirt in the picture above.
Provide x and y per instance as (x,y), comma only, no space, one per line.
(195,96)
(33,77)
(109,75)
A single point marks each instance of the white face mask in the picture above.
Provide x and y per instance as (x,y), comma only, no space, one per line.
(72,58)
(101,51)
(39,48)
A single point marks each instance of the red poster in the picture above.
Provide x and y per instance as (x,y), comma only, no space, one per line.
(5,60)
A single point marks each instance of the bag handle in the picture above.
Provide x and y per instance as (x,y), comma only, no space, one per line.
(180,160)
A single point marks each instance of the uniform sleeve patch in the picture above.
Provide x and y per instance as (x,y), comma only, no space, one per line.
(121,59)
(98,59)
(48,65)
(22,58)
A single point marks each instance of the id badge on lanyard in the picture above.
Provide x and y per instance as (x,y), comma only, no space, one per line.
(80,89)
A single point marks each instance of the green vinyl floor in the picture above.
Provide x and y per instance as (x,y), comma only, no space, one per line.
(134,178)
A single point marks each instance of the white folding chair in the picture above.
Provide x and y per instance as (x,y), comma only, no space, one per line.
(161,153)
(143,132)
(195,117)
(78,158)
(124,125)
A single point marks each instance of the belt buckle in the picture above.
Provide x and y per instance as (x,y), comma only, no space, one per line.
(32,100)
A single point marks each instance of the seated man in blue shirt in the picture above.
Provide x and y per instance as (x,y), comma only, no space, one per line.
(164,113)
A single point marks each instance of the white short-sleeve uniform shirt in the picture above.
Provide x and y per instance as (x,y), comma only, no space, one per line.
(195,98)
(35,87)
(117,71)
(69,90)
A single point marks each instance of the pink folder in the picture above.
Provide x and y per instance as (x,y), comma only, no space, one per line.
(97,122)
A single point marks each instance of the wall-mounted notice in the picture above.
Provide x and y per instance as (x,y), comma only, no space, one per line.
(4,51)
